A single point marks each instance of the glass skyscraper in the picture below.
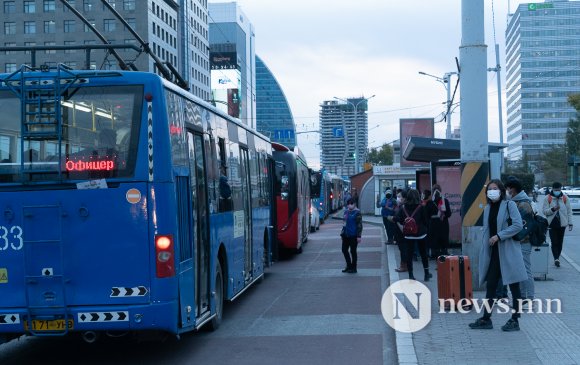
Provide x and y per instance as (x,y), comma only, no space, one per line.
(340,126)
(273,114)
(543,68)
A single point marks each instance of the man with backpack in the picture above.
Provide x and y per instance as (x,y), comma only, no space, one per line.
(558,211)
(523,202)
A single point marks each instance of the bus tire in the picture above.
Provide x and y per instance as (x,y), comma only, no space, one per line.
(218,298)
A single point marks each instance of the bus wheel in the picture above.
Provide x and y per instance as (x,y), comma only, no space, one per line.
(219,299)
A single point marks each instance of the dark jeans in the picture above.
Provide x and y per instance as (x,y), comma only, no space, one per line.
(350,243)
(557,238)
(410,249)
(493,277)
(390,228)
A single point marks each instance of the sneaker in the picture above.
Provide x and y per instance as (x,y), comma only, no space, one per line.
(346,269)
(557,262)
(511,325)
(352,271)
(481,324)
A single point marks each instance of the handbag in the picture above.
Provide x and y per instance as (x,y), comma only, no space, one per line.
(343,232)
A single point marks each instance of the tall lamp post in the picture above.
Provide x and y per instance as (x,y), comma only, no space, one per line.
(445,81)
(355,109)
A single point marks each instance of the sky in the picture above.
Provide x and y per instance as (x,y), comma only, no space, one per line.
(320,49)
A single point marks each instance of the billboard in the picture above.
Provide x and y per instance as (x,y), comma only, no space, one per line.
(449,177)
(420,127)
(225,90)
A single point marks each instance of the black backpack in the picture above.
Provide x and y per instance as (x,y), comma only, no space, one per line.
(539,230)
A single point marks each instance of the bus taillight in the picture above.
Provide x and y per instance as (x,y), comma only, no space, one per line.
(164,253)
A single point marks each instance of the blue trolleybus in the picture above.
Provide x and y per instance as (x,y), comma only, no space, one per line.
(128,205)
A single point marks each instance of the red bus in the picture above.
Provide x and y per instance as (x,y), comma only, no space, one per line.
(292,193)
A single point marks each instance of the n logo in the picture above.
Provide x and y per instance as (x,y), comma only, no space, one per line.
(406,306)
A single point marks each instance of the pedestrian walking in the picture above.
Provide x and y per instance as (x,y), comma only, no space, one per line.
(500,256)
(351,235)
(412,209)
(557,209)
(388,206)
(523,202)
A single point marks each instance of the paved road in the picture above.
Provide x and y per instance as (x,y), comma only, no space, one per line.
(306,311)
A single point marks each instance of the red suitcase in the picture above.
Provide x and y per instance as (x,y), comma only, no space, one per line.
(454,281)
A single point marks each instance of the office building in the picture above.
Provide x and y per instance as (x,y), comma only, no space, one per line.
(543,68)
(232,61)
(176,34)
(273,115)
(342,125)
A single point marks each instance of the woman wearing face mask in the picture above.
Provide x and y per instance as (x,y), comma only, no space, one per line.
(557,209)
(352,235)
(401,197)
(500,256)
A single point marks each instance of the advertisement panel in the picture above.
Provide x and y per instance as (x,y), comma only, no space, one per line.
(449,177)
(420,127)
(225,89)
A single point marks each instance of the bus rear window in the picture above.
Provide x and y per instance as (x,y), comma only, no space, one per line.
(98,131)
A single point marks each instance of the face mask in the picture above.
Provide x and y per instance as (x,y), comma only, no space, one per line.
(557,193)
(350,206)
(399,200)
(493,194)
(389,196)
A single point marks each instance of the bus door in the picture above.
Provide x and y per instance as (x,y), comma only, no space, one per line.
(201,246)
(246,196)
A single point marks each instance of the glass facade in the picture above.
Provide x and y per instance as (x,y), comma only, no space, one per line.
(542,49)
(273,115)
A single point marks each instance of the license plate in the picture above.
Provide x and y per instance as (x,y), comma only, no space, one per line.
(52,325)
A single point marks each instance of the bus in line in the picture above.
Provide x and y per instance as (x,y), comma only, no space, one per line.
(129,205)
(292,198)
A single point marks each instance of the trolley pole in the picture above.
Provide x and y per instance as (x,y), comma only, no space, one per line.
(474,139)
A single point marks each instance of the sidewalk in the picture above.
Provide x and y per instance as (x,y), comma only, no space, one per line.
(543,338)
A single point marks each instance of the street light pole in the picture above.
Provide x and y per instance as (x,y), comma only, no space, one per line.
(445,80)
(355,109)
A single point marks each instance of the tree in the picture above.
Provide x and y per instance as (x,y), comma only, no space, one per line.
(554,164)
(381,156)
(573,131)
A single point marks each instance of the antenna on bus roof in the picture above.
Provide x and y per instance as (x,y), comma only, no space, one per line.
(162,66)
(122,63)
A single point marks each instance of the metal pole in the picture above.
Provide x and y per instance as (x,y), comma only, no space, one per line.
(447,80)
(474,141)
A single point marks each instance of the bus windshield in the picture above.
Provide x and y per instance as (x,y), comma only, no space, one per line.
(98,133)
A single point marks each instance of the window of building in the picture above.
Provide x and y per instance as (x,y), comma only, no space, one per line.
(9,28)
(29,27)
(9,7)
(30,7)
(10,67)
(132,23)
(50,51)
(69,43)
(86,28)
(129,5)
(29,44)
(90,41)
(69,26)
(87,5)
(72,3)
(50,26)
(109,25)
(49,6)
(9,44)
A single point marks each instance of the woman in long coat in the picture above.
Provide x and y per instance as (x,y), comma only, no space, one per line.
(500,256)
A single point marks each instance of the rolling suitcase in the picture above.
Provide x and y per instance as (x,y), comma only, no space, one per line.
(454,281)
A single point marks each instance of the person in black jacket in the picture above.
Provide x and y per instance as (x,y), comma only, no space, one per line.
(414,209)
(439,223)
